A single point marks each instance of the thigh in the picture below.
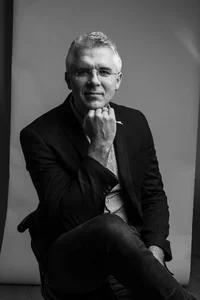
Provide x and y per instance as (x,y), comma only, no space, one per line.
(77,260)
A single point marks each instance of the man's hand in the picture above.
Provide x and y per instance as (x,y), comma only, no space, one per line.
(158,253)
(100,126)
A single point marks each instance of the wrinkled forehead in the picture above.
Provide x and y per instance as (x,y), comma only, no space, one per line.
(94,57)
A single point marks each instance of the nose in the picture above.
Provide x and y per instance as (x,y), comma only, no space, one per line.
(94,79)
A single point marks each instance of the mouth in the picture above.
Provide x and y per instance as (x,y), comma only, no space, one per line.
(93,93)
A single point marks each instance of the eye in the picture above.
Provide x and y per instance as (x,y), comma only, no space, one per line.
(104,73)
(82,73)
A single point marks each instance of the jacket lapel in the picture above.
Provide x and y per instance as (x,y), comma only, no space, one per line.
(73,129)
(125,175)
(121,143)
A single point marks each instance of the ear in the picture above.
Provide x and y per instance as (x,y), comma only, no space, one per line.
(67,79)
(118,81)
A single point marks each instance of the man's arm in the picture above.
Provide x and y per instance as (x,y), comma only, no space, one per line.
(73,194)
(74,191)
(154,206)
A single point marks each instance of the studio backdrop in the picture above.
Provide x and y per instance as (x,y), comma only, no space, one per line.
(157,41)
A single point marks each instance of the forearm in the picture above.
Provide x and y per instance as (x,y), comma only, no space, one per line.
(99,153)
(64,190)
(156,225)
(84,196)
(155,207)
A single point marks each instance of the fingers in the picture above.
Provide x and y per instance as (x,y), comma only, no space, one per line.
(109,110)
(102,112)
(98,112)
(105,112)
(91,113)
(112,112)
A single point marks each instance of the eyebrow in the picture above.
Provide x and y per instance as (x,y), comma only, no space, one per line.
(106,68)
(88,68)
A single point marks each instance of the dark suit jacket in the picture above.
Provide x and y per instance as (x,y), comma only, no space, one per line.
(72,186)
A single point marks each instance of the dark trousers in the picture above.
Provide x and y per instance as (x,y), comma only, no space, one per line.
(106,255)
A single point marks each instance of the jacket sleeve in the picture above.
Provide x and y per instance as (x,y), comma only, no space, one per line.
(154,203)
(72,195)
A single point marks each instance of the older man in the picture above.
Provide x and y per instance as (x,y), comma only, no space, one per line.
(101,226)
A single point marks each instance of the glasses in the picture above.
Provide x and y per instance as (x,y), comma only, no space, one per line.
(85,74)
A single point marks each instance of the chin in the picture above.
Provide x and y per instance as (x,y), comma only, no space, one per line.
(95,104)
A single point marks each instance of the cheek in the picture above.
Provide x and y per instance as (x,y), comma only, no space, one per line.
(109,88)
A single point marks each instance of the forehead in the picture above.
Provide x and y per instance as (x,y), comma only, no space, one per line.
(91,57)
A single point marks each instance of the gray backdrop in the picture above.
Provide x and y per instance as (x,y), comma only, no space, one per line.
(159,45)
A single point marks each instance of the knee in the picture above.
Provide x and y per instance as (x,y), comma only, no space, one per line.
(107,225)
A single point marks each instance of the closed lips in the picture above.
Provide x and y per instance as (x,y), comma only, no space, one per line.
(94,93)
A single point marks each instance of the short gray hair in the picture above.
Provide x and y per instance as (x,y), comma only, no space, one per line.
(92,40)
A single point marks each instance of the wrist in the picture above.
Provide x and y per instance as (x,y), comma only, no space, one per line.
(99,153)
(158,253)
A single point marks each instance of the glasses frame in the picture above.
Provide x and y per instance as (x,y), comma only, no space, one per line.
(90,74)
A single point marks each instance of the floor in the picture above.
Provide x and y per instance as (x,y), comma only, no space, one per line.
(30,292)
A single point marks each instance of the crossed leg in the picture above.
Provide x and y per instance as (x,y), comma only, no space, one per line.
(81,260)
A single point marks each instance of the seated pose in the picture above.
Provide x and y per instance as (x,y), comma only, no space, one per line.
(100,229)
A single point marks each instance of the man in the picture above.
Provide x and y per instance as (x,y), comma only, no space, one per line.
(101,226)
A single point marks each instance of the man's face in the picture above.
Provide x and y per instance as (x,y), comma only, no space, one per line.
(90,90)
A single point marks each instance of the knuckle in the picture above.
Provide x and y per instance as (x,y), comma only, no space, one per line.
(91,113)
(98,112)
